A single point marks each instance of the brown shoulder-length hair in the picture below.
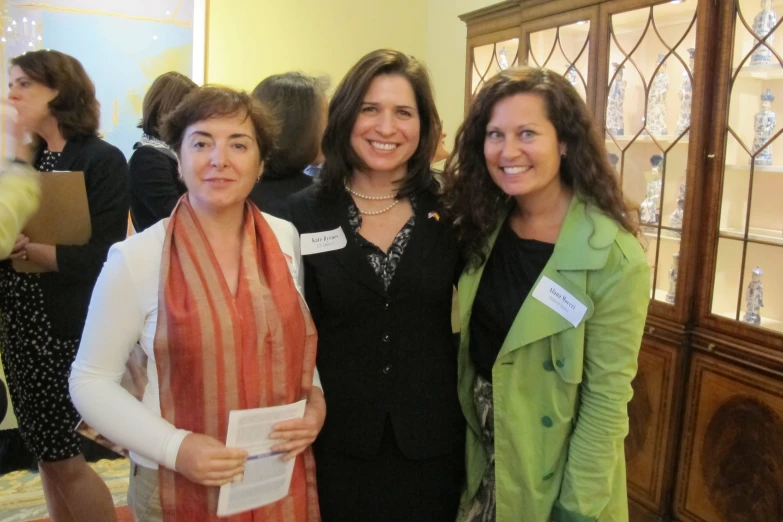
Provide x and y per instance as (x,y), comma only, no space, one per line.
(217,101)
(296,100)
(75,107)
(163,96)
(340,159)
(473,201)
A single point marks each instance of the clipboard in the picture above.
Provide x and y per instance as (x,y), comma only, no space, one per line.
(63,217)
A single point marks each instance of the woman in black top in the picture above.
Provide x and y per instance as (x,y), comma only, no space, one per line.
(43,313)
(155,186)
(299,103)
(380,267)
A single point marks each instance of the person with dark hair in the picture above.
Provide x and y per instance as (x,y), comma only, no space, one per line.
(154,181)
(213,296)
(380,269)
(43,313)
(553,303)
(299,103)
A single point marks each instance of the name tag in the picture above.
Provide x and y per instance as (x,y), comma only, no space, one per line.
(558,299)
(319,242)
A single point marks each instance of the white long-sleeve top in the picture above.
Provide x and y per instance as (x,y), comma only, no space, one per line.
(124,311)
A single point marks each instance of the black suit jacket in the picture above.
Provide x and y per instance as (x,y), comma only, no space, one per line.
(67,292)
(384,353)
(271,193)
(155,187)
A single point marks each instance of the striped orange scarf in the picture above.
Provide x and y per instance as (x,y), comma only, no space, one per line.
(215,353)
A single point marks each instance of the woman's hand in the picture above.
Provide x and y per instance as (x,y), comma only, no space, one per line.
(299,434)
(206,461)
(19,252)
(15,128)
(42,255)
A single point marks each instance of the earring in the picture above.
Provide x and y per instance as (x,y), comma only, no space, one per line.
(258,179)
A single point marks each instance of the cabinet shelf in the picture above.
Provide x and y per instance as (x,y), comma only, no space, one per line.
(756,168)
(666,139)
(761,72)
(766,322)
(667,235)
(763,236)
(660,295)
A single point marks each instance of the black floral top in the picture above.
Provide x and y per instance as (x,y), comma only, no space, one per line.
(47,161)
(383,263)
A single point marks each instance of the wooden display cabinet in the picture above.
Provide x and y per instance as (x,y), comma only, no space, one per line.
(706,435)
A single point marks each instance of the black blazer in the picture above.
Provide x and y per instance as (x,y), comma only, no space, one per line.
(271,193)
(155,186)
(384,353)
(67,292)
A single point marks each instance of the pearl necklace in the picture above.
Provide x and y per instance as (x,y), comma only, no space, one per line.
(362,196)
(372,198)
(365,213)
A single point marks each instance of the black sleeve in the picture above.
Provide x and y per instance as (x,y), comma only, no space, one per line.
(153,180)
(295,205)
(106,178)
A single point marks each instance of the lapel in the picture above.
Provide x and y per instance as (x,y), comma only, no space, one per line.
(583,245)
(423,239)
(331,213)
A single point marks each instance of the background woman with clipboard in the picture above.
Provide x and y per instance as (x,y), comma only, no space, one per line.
(43,314)
(552,305)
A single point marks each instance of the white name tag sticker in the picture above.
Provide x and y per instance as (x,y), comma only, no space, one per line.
(319,242)
(558,299)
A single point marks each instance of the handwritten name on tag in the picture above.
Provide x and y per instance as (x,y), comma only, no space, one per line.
(558,299)
(319,242)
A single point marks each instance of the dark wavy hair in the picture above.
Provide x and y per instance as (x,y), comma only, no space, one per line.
(75,107)
(216,101)
(163,96)
(340,159)
(473,201)
(296,100)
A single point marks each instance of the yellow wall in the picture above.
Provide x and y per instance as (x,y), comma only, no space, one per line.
(446,39)
(251,39)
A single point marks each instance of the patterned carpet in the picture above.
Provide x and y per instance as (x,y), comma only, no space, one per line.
(22,500)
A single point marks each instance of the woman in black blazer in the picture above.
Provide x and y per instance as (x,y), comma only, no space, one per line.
(299,103)
(43,313)
(380,266)
(153,169)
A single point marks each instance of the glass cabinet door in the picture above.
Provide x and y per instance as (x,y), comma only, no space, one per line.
(564,49)
(489,59)
(649,85)
(750,240)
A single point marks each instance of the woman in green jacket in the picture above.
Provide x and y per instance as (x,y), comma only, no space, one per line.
(553,303)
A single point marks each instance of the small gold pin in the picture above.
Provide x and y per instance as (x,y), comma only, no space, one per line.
(434,215)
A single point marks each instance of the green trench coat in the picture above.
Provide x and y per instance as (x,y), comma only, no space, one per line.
(561,392)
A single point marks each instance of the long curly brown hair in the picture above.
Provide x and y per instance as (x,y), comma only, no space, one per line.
(474,202)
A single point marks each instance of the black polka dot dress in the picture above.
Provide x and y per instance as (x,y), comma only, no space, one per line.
(36,363)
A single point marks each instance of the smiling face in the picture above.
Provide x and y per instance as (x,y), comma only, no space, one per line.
(521,147)
(220,162)
(387,129)
(30,98)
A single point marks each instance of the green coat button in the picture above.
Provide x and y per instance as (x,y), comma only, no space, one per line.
(560,363)
(548,475)
(548,366)
(546,421)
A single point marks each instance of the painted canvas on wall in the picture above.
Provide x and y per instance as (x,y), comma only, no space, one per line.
(123,46)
